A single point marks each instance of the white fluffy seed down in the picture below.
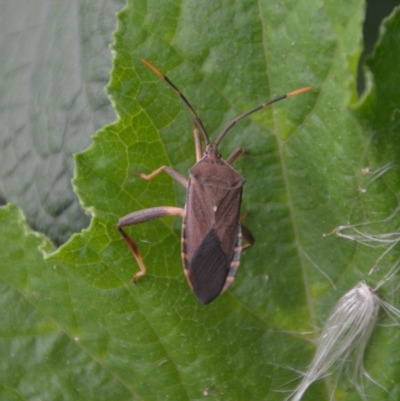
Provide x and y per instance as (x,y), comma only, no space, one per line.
(345,335)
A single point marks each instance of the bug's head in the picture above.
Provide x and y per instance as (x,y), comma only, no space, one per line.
(212,152)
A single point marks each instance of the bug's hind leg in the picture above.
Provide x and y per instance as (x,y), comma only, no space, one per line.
(139,217)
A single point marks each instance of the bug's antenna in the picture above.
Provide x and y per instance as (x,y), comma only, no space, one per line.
(180,94)
(261,106)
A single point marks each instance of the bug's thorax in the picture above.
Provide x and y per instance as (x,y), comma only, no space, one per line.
(213,171)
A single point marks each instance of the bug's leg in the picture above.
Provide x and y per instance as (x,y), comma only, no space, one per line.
(197,142)
(172,173)
(248,237)
(141,217)
(244,233)
(235,155)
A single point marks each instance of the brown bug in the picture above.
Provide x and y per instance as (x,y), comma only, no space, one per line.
(211,231)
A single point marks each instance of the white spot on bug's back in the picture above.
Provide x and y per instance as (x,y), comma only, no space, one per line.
(215,208)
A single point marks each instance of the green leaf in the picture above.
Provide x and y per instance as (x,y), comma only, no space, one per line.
(77,327)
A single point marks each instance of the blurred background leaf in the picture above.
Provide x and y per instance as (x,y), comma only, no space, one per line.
(56,62)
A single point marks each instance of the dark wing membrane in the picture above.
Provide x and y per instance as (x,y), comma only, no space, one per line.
(208,269)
